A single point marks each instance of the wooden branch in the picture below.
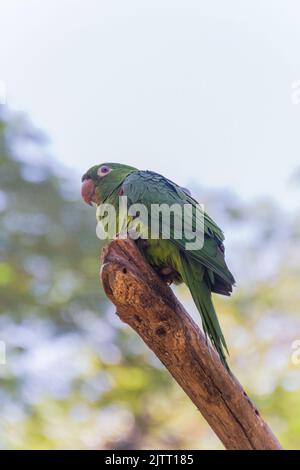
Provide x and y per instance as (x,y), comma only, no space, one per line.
(149,306)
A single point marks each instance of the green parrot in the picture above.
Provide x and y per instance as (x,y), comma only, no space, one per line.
(203,270)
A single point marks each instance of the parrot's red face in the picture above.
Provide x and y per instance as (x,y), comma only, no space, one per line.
(91,183)
(88,191)
(101,180)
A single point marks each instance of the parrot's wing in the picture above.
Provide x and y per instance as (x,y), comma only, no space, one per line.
(146,187)
(203,270)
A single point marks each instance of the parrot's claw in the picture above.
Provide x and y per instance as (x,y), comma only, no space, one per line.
(168,275)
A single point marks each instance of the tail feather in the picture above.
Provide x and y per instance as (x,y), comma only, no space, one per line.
(193,276)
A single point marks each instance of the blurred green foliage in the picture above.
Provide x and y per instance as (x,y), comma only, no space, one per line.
(75,377)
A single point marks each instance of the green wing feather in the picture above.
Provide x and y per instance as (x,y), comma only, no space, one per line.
(202,270)
(150,188)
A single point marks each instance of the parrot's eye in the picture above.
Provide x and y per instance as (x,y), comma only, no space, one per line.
(103,170)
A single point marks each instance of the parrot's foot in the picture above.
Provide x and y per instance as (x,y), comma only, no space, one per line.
(124,235)
(144,243)
(168,275)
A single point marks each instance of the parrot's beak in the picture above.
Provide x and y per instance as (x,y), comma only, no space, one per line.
(88,190)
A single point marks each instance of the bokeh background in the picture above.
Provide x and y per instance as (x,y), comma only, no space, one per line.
(206,93)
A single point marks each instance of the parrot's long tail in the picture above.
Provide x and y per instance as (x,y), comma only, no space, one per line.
(193,276)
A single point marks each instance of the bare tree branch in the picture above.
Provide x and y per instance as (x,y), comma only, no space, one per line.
(149,306)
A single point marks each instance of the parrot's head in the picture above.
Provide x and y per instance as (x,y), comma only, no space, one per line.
(101,180)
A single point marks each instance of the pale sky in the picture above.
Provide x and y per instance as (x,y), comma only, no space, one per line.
(199,91)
